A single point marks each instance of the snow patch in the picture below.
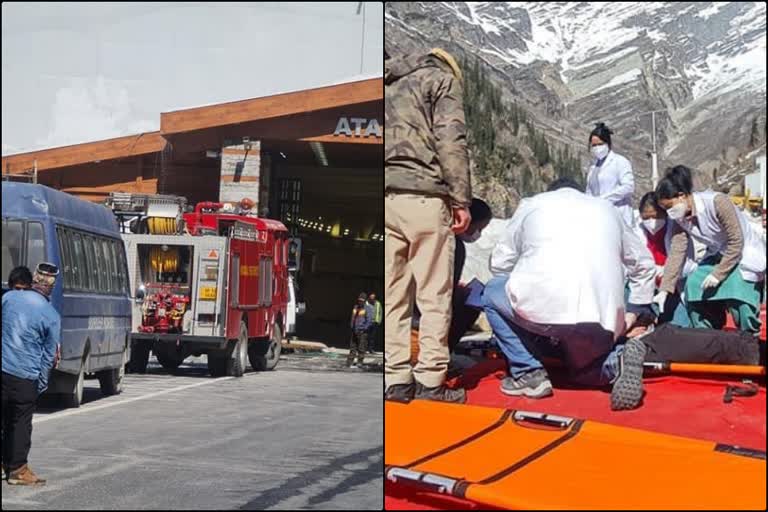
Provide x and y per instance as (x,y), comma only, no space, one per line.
(712,9)
(623,78)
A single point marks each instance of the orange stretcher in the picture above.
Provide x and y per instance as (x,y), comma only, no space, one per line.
(525,461)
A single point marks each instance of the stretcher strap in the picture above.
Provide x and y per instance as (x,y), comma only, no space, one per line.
(477,435)
(738,450)
(461,488)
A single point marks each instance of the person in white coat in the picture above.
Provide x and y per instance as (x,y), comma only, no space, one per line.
(560,275)
(610,174)
(730,275)
(655,227)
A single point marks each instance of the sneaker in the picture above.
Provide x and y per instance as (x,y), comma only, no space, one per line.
(533,384)
(628,386)
(400,392)
(440,394)
(24,476)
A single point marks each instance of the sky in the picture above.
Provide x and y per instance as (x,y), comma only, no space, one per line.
(80,72)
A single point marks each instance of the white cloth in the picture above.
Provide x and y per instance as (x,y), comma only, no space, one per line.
(709,232)
(565,254)
(614,182)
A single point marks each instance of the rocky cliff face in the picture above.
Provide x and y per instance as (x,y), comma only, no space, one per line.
(571,64)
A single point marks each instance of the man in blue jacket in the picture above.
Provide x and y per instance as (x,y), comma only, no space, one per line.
(362,318)
(31,334)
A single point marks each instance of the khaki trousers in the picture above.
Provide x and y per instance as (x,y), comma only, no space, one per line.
(418,249)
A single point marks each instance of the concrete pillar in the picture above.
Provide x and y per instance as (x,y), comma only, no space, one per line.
(264,187)
(240,173)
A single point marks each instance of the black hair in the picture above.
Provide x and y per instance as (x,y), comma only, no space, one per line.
(20,276)
(564,183)
(649,199)
(676,181)
(603,133)
(480,211)
(362,296)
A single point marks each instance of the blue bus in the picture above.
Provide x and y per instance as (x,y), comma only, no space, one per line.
(91,294)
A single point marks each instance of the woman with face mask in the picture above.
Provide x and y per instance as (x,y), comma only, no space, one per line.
(610,174)
(730,273)
(654,228)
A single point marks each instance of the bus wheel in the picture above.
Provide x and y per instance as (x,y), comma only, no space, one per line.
(265,355)
(75,398)
(139,357)
(111,381)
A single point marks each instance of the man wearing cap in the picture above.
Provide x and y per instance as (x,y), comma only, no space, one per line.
(31,333)
(427,197)
(362,318)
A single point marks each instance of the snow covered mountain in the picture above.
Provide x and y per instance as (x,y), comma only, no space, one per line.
(575,63)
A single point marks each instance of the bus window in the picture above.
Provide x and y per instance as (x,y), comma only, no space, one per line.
(124,266)
(99,269)
(12,236)
(91,279)
(107,265)
(115,266)
(66,257)
(79,269)
(35,245)
(122,270)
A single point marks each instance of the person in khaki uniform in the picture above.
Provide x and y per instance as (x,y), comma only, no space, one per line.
(428,194)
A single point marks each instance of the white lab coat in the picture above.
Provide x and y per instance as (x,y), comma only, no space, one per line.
(709,232)
(614,182)
(565,254)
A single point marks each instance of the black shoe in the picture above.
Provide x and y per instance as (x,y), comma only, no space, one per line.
(628,387)
(400,392)
(440,394)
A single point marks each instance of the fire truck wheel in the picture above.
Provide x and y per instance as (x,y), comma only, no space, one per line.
(239,359)
(139,357)
(264,356)
(217,365)
(169,359)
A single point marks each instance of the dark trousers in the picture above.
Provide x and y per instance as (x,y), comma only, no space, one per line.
(357,347)
(669,343)
(373,337)
(19,401)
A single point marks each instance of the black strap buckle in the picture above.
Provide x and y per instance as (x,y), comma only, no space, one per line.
(749,389)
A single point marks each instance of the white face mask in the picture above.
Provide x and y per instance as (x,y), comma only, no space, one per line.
(653,225)
(600,152)
(678,211)
(474,237)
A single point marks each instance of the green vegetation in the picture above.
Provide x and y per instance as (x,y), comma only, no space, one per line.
(494,138)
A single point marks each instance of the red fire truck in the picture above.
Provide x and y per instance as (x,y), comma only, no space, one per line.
(213,281)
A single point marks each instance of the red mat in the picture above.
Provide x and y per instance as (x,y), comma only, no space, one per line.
(691,407)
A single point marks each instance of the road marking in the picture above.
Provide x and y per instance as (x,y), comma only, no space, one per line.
(151,395)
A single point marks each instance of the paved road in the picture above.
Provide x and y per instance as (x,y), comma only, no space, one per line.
(306,436)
